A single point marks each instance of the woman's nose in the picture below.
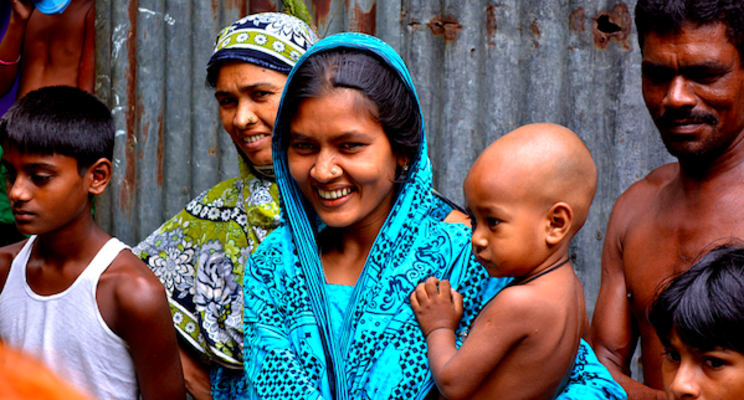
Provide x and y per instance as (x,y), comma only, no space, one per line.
(245,115)
(325,168)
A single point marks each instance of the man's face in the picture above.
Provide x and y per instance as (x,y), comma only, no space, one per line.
(693,85)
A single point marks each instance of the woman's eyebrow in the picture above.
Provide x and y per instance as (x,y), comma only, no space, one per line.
(245,88)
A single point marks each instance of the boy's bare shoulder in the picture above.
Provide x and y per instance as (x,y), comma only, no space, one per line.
(134,287)
(7,254)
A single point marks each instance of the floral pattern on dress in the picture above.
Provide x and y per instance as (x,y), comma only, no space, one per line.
(199,255)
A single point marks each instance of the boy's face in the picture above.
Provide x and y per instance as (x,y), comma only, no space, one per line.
(690,373)
(46,192)
(508,226)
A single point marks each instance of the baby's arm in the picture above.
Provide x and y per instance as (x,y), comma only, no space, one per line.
(438,309)
(11,45)
(144,321)
(460,373)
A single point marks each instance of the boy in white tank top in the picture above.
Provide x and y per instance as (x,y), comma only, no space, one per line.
(72,295)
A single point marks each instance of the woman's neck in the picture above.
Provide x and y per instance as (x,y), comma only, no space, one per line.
(344,253)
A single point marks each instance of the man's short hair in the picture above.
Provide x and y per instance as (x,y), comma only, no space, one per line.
(665,16)
(705,305)
(60,120)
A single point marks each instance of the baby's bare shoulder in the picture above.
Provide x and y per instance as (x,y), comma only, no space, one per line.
(549,302)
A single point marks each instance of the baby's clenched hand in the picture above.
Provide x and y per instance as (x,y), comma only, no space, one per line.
(436,305)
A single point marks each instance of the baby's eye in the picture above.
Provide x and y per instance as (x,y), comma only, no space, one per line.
(492,222)
(473,222)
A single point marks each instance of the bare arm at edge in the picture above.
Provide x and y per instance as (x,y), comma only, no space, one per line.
(11,46)
(613,333)
(195,375)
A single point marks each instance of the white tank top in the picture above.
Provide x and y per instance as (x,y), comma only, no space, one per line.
(66,330)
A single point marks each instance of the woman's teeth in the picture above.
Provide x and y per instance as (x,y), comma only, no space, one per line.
(333,194)
(254,138)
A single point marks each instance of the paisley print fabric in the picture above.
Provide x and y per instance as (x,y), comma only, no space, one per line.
(291,351)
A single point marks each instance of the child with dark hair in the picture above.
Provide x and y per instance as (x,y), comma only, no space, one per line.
(72,295)
(699,318)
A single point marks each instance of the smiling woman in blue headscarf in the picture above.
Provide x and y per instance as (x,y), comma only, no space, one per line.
(199,254)
(326,294)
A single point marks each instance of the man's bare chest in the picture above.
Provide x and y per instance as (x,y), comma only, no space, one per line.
(662,244)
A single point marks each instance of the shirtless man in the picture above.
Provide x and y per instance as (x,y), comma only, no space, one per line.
(693,86)
(57,49)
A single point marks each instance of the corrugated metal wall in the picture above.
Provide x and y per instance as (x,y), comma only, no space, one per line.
(481,67)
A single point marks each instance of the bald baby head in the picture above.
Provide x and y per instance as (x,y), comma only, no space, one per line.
(539,164)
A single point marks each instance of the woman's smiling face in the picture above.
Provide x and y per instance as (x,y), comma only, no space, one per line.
(249,96)
(342,160)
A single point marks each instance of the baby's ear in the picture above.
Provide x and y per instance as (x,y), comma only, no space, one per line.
(100,175)
(560,220)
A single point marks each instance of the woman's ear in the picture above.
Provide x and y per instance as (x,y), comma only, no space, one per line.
(100,175)
(402,160)
(560,220)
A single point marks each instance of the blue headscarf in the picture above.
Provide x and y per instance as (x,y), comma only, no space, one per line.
(294,347)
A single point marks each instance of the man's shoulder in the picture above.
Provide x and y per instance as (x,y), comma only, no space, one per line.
(642,194)
(652,183)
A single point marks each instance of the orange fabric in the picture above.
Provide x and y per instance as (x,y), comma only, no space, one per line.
(23,378)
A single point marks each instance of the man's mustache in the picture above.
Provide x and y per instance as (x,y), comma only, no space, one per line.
(671,118)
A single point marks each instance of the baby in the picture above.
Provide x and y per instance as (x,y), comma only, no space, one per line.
(527,195)
(699,318)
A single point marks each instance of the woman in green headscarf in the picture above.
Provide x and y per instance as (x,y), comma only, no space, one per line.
(199,255)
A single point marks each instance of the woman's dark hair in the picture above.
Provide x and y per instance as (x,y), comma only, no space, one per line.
(705,305)
(213,72)
(664,16)
(60,120)
(386,97)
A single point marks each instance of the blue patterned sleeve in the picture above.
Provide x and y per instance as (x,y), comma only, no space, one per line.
(590,379)
(273,368)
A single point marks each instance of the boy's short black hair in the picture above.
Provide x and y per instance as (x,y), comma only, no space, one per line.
(665,16)
(705,305)
(60,120)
